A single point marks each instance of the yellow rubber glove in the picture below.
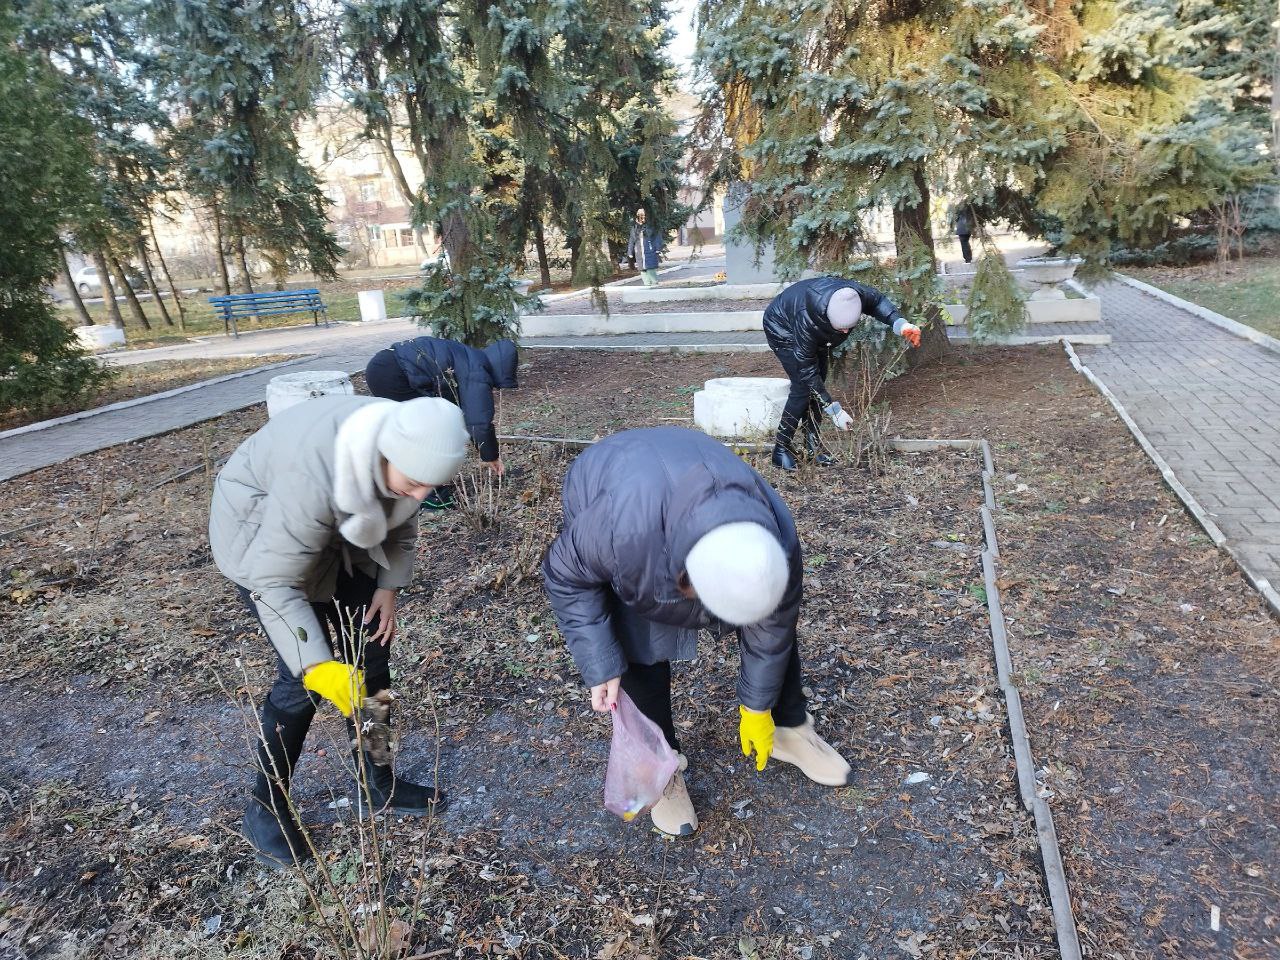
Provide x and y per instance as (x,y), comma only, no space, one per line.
(339,683)
(755,729)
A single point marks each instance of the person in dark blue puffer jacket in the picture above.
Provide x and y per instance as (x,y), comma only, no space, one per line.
(435,367)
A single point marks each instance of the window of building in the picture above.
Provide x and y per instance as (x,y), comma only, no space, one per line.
(368,191)
(406,236)
(375,234)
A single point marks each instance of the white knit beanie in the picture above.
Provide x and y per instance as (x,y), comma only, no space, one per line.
(845,309)
(739,572)
(425,439)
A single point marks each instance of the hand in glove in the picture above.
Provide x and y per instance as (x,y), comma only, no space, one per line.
(755,730)
(340,684)
(908,331)
(841,419)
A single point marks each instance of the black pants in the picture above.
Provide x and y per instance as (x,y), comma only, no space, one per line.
(803,405)
(351,598)
(965,250)
(649,687)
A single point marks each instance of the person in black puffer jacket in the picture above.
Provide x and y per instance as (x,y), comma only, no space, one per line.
(435,367)
(802,324)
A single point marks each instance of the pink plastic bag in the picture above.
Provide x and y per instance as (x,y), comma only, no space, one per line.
(641,762)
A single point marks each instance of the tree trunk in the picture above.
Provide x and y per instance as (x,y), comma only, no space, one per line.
(168,279)
(86,320)
(222,250)
(540,242)
(151,282)
(130,297)
(1275,97)
(242,258)
(575,246)
(108,289)
(913,238)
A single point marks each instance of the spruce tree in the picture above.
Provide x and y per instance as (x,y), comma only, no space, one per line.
(1079,122)
(523,114)
(240,75)
(45,154)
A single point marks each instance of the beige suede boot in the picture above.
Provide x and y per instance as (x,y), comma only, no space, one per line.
(818,760)
(673,814)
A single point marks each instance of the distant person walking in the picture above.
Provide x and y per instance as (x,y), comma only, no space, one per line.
(963,221)
(645,248)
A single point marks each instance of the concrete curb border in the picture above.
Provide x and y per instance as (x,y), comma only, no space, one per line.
(1261,584)
(1204,313)
(654,347)
(138,401)
(1055,875)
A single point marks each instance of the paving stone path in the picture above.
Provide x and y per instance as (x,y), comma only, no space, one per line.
(1209,402)
(347,347)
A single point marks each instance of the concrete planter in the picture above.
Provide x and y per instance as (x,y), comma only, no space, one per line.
(100,336)
(717,291)
(290,389)
(373,305)
(1083,310)
(740,407)
(1045,274)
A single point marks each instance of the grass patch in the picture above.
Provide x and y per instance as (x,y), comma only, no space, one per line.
(1248,291)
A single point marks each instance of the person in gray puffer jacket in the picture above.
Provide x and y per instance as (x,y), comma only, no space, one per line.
(314,518)
(667,532)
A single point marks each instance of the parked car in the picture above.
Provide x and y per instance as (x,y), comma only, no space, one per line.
(89,283)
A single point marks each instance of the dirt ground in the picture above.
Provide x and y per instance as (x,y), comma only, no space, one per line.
(1148,666)
(130,670)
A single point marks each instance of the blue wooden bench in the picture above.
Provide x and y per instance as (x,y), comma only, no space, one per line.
(270,302)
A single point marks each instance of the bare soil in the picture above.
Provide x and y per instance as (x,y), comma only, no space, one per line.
(1149,666)
(130,671)
(125,751)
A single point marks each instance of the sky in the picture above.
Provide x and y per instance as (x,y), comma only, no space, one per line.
(681,46)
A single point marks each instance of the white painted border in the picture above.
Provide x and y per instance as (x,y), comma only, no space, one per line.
(649,347)
(1261,584)
(617,324)
(137,401)
(1204,313)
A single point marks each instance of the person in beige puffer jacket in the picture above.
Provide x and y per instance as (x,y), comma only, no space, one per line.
(314,518)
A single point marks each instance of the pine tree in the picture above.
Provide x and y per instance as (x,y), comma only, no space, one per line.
(45,154)
(240,75)
(1077,122)
(523,114)
(97,49)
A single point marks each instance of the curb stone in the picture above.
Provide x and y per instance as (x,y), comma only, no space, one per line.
(1055,875)
(1259,583)
(1204,313)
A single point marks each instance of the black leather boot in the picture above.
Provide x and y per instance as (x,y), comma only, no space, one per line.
(382,789)
(269,822)
(813,446)
(377,783)
(783,458)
